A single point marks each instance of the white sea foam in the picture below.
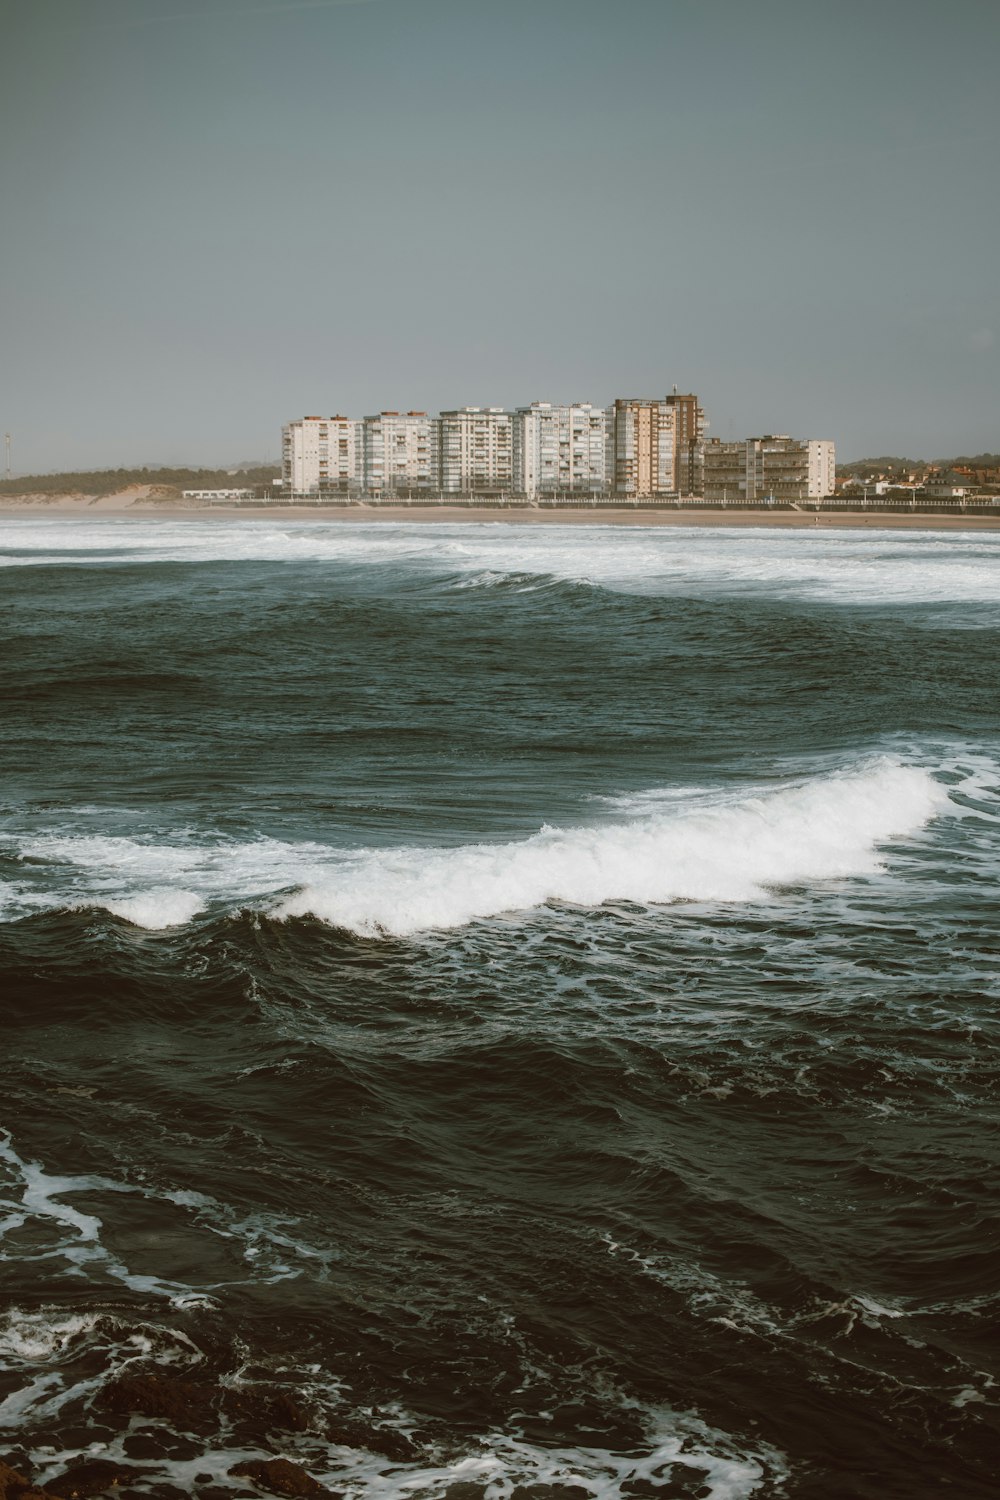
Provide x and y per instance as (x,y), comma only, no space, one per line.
(707,1294)
(150,884)
(53,1352)
(158,908)
(37,1337)
(828,828)
(271,1249)
(75,1235)
(675,1445)
(695,846)
(872,566)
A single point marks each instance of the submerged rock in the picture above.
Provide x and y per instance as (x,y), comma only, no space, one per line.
(266,1410)
(193,1405)
(16,1486)
(352,1432)
(279,1475)
(550,1492)
(182,1403)
(11,1481)
(92,1477)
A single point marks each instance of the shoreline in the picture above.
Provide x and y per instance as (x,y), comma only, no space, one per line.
(135,507)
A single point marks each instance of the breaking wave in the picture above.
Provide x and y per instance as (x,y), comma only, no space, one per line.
(818,831)
(698,848)
(862,567)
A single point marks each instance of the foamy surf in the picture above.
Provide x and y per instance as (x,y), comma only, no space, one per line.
(706,847)
(869,567)
(674,1448)
(158,909)
(825,829)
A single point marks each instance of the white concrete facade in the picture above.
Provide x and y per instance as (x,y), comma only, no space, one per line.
(561,449)
(320,454)
(401,453)
(217,494)
(476,450)
(822,468)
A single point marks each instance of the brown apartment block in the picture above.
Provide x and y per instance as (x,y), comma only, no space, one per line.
(775,469)
(658,446)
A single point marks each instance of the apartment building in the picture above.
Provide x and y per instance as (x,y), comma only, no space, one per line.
(657,446)
(476,451)
(400,453)
(822,479)
(775,467)
(561,450)
(319,455)
(636,448)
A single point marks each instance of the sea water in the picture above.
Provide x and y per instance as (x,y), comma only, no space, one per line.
(525,995)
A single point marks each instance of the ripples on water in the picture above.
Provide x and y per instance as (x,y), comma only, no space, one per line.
(500,1012)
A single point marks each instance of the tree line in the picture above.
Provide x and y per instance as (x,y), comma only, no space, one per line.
(110,481)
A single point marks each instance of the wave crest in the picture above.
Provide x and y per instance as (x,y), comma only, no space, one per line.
(157,909)
(823,829)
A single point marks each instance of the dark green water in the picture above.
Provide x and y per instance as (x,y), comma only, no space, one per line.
(525,997)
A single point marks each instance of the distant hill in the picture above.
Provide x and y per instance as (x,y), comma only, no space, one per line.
(111,481)
(977,461)
(885,464)
(865,465)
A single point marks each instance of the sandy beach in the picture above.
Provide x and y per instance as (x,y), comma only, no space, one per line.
(137,503)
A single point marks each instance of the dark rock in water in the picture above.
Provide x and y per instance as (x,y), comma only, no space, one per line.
(266,1410)
(159,1492)
(280,1476)
(12,1481)
(151,1444)
(182,1403)
(550,1492)
(91,1478)
(14,1485)
(351,1432)
(463,1489)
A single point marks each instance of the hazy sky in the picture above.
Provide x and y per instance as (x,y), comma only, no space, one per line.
(217,215)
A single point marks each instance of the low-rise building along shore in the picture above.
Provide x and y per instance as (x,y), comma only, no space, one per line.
(772,468)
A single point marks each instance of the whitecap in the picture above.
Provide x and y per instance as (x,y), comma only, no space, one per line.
(726,845)
(828,828)
(158,909)
(869,566)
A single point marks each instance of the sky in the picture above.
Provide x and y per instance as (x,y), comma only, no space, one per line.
(219,215)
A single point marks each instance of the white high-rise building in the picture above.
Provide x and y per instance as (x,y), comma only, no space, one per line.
(561,449)
(476,450)
(401,453)
(320,455)
(822,468)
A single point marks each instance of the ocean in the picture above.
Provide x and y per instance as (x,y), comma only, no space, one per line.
(499,1011)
